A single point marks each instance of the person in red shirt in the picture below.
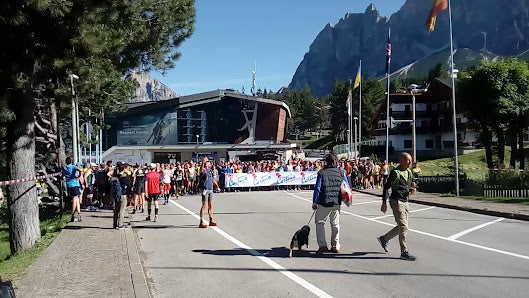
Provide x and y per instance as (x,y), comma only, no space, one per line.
(152,188)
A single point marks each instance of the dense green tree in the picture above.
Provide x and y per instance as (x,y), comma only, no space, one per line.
(496,95)
(438,71)
(42,42)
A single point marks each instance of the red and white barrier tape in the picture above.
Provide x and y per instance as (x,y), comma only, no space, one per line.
(28,179)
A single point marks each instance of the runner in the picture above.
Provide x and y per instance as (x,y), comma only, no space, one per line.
(152,188)
(166,179)
(139,189)
(71,174)
(207,194)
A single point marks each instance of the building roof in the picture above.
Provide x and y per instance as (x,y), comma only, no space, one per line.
(198,99)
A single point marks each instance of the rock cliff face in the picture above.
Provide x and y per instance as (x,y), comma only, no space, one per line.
(150,89)
(497,27)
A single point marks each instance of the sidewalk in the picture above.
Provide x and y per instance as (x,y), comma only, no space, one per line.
(514,211)
(88,259)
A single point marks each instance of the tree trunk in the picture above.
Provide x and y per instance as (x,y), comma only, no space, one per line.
(487,140)
(514,145)
(24,229)
(521,153)
(501,147)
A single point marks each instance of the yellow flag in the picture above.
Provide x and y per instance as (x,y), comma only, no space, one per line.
(357,80)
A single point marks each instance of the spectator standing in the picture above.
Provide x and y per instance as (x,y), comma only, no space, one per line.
(121,186)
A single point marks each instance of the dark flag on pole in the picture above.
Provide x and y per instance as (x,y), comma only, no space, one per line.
(388,52)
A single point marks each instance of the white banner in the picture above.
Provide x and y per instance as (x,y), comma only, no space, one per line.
(271,179)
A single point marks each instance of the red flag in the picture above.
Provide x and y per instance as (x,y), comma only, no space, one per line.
(438,6)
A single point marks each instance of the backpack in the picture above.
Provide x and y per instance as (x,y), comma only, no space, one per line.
(100,177)
(115,189)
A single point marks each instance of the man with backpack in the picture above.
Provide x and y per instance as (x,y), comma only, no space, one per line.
(120,186)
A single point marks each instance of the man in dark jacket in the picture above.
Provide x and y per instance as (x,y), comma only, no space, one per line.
(400,182)
(326,201)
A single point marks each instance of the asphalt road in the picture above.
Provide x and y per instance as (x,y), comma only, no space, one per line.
(459,254)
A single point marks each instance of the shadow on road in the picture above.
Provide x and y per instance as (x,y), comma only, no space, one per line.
(283,252)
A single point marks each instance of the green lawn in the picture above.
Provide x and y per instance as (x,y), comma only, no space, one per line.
(12,267)
(473,164)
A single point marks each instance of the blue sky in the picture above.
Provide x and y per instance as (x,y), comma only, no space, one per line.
(231,35)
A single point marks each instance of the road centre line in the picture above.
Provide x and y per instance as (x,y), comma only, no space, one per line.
(297,279)
(460,234)
(429,234)
(412,211)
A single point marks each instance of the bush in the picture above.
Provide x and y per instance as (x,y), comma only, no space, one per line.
(508,178)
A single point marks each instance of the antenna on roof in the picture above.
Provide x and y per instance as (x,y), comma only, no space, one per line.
(253,78)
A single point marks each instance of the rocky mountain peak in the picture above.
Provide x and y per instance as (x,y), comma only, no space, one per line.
(371,8)
(499,26)
(150,89)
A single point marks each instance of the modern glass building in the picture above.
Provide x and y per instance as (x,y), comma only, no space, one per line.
(222,124)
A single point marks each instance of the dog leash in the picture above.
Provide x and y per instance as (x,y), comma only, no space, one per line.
(311,217)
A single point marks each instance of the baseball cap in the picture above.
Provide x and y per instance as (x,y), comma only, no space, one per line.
(153,165)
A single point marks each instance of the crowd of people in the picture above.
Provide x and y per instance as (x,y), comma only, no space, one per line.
(93,186)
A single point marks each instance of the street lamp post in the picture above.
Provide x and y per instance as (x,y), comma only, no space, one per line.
(413,126)
(74,120)
(197,138)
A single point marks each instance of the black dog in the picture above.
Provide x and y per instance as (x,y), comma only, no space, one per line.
(301,237)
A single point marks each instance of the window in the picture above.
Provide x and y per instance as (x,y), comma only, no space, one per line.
(429,144)
(407,143)
(425,123)
(448,144)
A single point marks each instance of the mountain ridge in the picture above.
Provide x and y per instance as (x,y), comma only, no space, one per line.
(498,27)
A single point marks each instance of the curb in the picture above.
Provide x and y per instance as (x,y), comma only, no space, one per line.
(139,281)
(509,215)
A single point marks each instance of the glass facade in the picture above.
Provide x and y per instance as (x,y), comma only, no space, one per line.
(216,122)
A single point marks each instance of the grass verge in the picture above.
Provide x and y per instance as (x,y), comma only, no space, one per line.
(13,267)
(524,201)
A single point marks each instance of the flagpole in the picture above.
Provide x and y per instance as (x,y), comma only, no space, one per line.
(454,115)
(387,110)
(360,113)
(349,118)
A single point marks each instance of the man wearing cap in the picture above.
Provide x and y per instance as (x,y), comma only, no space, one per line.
(152,188)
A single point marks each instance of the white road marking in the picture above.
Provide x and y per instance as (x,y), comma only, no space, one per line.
(412,211)
(431,235)
(363,203)
(300,281)
(458,235)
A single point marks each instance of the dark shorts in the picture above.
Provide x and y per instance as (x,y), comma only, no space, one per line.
(179,183)
(89,190)
(207,194)
(139,188)
(74,191)
(152,197)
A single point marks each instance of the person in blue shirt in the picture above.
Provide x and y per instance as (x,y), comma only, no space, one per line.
(71,174)
(326,201)
(206,178)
